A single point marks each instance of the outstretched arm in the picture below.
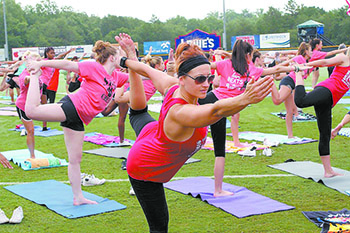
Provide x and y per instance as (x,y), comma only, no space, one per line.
(345,121)
(160,80)
(57,64)
(5,162)
(334,61)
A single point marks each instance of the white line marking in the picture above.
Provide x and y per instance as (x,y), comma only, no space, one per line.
(175,178)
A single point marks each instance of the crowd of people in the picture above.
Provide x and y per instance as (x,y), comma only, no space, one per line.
(199,90)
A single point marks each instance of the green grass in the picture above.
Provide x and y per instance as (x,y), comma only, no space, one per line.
(187,214)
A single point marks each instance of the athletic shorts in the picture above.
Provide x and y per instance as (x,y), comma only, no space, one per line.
(44,89)
(12,83)
(73,120)
(287,81)
(22,114)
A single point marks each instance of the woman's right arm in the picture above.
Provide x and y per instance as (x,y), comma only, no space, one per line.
(57,64)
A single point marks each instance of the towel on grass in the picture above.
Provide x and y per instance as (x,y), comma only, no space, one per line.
(303,117)
(105,140)
(19,157)
(282,139)
(231,148)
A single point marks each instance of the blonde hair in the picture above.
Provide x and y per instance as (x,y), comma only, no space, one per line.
(152,61)
(103,50)
(28,54)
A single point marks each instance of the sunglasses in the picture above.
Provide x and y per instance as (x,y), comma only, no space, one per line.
(202,78)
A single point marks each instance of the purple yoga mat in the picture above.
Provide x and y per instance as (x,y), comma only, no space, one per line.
(242,204)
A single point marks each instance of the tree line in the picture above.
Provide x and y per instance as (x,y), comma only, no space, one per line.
(46,24)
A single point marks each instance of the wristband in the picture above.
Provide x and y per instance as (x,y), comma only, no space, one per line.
(122,62)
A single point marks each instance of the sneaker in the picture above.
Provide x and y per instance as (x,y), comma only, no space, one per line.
(23,132)
(251,152)
(132,192)
(123,165)
(299,118)
(91,180)
(3,217)
(45,129)
(82,176)
(267,152)
(124,143)
(17,215)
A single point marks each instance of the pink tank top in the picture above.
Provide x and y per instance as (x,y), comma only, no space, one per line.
(155,157)
(338,83)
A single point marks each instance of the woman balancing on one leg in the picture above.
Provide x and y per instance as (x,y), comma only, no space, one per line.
(79,108)
(235,74)
(287,86)
(324,97)
(21,101)
(163,146)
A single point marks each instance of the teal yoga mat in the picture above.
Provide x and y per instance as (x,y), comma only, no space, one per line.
(58,197)
(315,172)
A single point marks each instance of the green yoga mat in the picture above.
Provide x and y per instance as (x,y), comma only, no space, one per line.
(315,172)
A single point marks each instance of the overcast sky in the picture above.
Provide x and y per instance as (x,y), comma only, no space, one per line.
(165,9)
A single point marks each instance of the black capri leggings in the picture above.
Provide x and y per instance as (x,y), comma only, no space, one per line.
(217,130)
(150,194)
(322,100)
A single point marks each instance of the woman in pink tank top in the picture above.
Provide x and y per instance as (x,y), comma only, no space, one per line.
(324,97)
(78,108)
(163,146)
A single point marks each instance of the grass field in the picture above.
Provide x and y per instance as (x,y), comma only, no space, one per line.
(187,214)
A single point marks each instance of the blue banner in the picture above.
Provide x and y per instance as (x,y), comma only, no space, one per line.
(203,39)
(158,47)
(254,40)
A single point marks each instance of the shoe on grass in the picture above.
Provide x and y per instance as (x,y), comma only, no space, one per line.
(17,215)
(124,143)
(91,180)
(3,217)
(132,192)
(251,152)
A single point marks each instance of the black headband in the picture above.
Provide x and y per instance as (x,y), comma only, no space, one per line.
(191,63)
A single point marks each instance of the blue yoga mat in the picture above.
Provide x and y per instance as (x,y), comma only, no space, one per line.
(58,197)
(18,157)
(242,204)
(38,131)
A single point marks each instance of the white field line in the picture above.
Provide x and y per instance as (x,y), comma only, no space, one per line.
(175,178)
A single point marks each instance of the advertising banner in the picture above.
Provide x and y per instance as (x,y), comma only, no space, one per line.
(203,39)
(277,40)
(158,47)
(251,39)
(18,52)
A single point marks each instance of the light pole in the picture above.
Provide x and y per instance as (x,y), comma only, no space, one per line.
(224,34)
(5,28)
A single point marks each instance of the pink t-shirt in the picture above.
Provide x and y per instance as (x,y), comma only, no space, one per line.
(21,100)
(231,82)
(96,90)
(300,60)
(148,87)
(46,74)
(338,83)
(155,157)
(317,55)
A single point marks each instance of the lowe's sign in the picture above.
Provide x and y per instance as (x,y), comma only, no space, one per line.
(158,47)
(203,39)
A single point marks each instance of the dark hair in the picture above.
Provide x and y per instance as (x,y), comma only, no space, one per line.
(239,56)
(256,54)
(48,49)
(314,42)
(75,58)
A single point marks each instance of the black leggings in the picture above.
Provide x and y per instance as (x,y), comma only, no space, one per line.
(322,100)
(217,130)
(150,195)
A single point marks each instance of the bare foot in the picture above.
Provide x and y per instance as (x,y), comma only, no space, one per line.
(223,193)
(332,174)
(83,201)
